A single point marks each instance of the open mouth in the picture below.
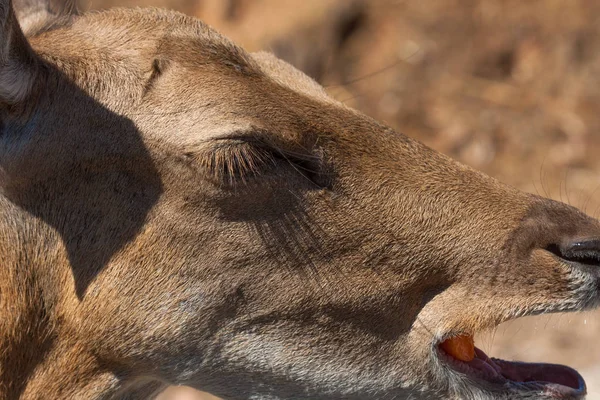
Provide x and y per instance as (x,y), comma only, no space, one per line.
(547,380)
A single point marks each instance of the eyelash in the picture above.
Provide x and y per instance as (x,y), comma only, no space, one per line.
(237,162)
(232,163)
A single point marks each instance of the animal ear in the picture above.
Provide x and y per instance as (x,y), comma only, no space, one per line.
(19,67)
(35,15)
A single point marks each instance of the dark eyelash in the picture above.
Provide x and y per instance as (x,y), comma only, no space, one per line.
(230,163)
(309,166)
(238,161)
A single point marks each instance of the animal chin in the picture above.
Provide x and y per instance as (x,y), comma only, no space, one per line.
(540,379)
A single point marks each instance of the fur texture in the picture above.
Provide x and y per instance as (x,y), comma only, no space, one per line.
(174,210)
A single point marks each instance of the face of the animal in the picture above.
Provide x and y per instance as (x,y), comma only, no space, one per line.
(183,212)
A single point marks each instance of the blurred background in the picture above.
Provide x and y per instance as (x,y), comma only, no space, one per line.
(509,87)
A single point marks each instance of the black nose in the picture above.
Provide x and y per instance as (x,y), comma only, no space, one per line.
(584,251)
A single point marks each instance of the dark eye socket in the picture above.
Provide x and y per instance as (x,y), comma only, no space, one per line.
(310,166)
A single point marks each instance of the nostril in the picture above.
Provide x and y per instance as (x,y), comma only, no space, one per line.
(581,251)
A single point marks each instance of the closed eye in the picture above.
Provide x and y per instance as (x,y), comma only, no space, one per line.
(243,158)
(231,162)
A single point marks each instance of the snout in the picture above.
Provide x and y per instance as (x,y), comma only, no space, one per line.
(580,253)
(551,263)
(566,232)
(554,257)
(573,238)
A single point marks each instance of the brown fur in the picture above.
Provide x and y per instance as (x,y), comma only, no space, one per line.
(174,210)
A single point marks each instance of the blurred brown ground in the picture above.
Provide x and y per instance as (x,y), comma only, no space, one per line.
(509,87)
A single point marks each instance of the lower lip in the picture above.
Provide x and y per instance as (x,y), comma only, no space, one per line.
(520,375)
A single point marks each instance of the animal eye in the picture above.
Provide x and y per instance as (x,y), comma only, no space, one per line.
(239,161)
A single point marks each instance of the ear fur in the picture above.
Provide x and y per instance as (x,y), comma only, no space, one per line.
(37,15)
(18,64)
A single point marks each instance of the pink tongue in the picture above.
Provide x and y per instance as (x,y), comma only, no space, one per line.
(522,372)
(558,380)
(484,365)
(484,368)
(482,356)
(552,373)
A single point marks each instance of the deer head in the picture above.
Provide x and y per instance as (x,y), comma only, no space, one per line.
(174,210)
